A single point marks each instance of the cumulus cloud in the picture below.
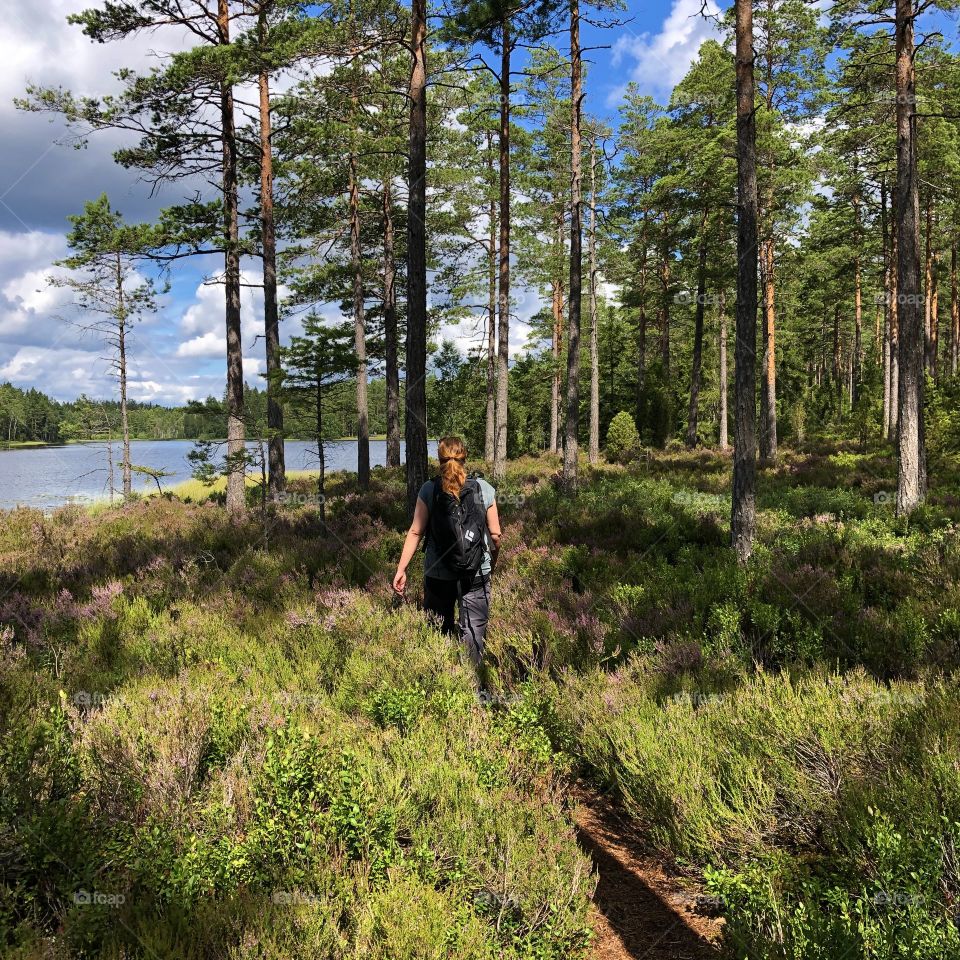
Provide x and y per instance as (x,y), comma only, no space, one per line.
(41,180)
(657,62)
(203,321)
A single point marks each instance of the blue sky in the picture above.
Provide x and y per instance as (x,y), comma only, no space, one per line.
(179,353)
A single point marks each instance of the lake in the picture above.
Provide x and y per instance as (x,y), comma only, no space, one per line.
(47,477)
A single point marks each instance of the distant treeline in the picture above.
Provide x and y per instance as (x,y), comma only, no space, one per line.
(32,416)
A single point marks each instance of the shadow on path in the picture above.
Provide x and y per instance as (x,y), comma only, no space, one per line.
(640,911)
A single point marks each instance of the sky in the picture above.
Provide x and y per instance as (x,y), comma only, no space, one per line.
(179,353)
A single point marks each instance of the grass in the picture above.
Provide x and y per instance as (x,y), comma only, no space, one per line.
(222,740)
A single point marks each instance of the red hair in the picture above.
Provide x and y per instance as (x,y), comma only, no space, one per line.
(453,455)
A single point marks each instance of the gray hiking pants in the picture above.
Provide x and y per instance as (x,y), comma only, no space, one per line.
(441,596)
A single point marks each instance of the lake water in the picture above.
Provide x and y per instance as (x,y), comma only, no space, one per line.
(47,477)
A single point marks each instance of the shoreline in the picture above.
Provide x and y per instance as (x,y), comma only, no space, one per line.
(40,444)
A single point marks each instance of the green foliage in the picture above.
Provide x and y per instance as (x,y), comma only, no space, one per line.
(623,440)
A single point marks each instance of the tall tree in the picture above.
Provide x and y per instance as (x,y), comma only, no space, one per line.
(744,512)
(911,467)
(106,283)
(572,421)
(416,350)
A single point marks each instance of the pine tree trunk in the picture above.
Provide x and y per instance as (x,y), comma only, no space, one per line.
(127,473)
(503,318)
(594,439)
(665,302)
(743,517)
(954,309)
(724,442)
(935,317)
(489,437)
(322,473)
(857,358)
(894,428)
(837,356)
(571,431)
(271,310)
(359,331)
(555,346)
(416,395)
(558,337)
(928,291)
(642,324)
(768,381)
(885,354)
(911,469)
(236,447)
(694,410)
(391,360)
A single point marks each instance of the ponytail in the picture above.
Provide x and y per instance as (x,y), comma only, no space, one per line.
(453,455)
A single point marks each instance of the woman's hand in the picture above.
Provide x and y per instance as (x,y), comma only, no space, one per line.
(421,517)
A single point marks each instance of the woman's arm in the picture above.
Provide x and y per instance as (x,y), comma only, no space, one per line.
(421,517)
(493,527)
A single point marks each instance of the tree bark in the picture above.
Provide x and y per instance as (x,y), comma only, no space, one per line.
(954,309)
(594,438)
(911,468)
(489,438)
(503,319)
(271,310)
(556,345)
(857,358)
(322,473)
(894,428)
(391,360)
(885,355)
(642,323)
(743,517)
(665,302)
(359,331)
(724,442)
(125,467)
(935,317)
(928,290)
(236,447)
(694,410)
(837,356)
(416,395)
(571,438)
(768,383)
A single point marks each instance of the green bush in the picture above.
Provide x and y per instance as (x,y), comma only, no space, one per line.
(622,438)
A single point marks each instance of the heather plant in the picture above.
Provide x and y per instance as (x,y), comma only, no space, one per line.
(228,724)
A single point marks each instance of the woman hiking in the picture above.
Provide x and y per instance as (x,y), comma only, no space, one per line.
(458,515)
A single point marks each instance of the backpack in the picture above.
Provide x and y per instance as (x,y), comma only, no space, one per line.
(458,526)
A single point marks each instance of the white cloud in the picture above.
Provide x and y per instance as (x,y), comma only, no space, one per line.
(660,60)
(207,344)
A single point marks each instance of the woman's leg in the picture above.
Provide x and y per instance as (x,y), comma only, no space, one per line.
(474,611)
(440,597)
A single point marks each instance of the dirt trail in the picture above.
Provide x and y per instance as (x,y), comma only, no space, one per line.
(640,912)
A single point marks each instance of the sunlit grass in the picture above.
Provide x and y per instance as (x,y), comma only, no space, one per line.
(197,492)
